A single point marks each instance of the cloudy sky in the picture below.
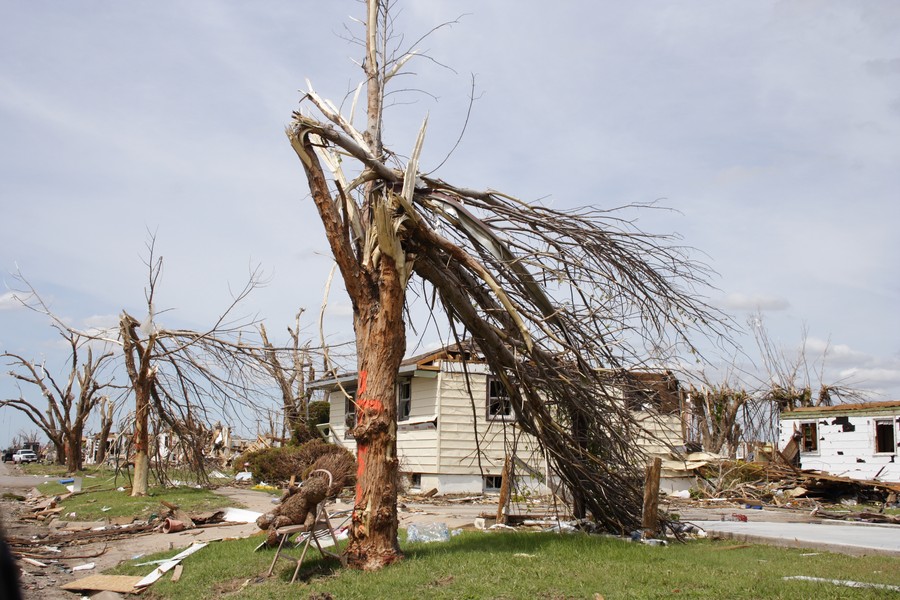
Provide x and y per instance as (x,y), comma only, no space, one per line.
(771,128)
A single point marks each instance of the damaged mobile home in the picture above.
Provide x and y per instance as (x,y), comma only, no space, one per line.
(858,441)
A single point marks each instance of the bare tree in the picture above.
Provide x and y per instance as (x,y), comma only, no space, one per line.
(791,381)
(179,375)
(716,410)
(26,437)
(291,368)
(69,402)
(555,299)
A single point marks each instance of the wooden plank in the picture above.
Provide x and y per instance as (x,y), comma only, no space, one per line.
(650,517)
(504,492)
(124,584)
(176,574)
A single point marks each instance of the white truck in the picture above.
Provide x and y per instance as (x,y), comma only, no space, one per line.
(24,456)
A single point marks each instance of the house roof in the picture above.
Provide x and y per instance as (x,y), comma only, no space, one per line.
(420,363)
(884,407)
(466,350)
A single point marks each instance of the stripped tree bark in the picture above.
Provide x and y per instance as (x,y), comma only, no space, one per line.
(556,301)
(107,413)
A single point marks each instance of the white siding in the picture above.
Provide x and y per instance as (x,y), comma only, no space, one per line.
(660,433)
(446,456)
(846,445)
(336,421)
(417,444)
(459,451)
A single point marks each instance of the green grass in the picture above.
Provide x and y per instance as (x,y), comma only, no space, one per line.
(89,505)
(100,490)
(532,565)
(53,470)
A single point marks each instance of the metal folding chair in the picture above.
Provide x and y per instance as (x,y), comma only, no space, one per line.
(318,534)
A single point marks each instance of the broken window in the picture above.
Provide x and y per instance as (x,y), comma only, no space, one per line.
(404,399)
(638,399)
(499,406)
(492,483)
(809,437)
(349,413)
(415,480)
(884,436)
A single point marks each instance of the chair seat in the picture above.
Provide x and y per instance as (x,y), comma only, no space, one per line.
(291,529)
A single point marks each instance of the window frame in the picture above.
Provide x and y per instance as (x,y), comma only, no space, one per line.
(814,425)
(349,414)
(491,400)
(891,426)
(498,479)
(406,383)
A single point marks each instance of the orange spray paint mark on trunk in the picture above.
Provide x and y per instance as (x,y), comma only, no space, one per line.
(373,404)
(363,376)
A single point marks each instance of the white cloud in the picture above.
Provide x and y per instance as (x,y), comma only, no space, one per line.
(879,376)
(840,354)
(9,301)
(738,301)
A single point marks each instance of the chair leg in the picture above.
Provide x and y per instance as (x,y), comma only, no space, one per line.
(302,556)
(283,537)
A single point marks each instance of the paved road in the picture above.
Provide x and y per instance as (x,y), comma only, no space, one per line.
(9,480)
(831,536)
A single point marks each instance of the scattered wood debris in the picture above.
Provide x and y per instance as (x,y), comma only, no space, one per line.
(777,485)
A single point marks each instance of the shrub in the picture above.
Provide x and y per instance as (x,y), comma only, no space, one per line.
(274,465)
(319,413)
(306,430)
(342,467)
(301,434)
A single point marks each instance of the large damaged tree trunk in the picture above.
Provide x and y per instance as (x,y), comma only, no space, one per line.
(73,449)
(107,409)
(381,343)
(374,267)
(376,286)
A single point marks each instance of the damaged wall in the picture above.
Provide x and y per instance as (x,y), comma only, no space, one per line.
(858,441)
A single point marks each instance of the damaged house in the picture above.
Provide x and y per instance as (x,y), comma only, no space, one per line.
(457,429)
(859,441)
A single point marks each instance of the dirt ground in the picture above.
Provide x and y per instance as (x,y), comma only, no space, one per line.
(44,582)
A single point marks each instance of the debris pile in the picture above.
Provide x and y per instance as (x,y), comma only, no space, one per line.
(759,484)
